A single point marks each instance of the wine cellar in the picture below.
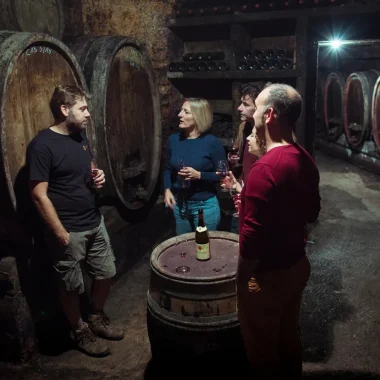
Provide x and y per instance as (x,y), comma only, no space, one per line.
(175,294)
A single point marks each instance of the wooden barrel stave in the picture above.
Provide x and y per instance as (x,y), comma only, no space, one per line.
(376,114)
(126,116)
(32,64)
(44,16)
(333,105)
(357,106)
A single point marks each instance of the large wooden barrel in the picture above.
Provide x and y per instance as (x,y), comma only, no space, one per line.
(333,105)
(126,116)
(44,16)
(191,304)
(357,106)
(376,114)
(31,66)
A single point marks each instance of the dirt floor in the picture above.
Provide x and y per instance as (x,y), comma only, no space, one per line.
(341,308)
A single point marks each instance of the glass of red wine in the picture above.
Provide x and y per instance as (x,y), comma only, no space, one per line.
(223,172)
(94,171)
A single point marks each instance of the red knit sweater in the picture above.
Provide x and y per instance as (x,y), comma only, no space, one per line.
(280,196)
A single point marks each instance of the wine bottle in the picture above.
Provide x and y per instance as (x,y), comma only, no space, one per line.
(287,63)
(282,53)
(222,66)
(269,54)
(214,56)
(202,240)
(243,65)
(247,55)
(182,66)
(173,67)
(188,57)
(276,64)
(201,66)
(211,66)
(259,54)
(254,65)
(265,64)
(191,66)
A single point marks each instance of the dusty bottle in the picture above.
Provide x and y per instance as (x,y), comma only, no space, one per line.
(202,240)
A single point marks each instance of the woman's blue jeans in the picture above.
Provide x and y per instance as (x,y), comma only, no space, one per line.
(186,215)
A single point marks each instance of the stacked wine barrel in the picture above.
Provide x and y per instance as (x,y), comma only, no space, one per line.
(351,105)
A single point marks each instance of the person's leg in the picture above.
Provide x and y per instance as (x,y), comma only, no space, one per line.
(259,315)
(100,262)
(182,222)
(67,268)
(235,224)
(290,338)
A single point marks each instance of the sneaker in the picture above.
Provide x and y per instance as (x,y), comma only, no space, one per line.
(100,324)
(88,343)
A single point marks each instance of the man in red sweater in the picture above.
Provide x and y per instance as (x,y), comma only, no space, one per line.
(280,196)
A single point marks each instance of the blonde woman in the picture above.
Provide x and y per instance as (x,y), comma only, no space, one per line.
(190,169)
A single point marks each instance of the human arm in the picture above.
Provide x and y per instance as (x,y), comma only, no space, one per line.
(168,195)
(217,154)
(45,208)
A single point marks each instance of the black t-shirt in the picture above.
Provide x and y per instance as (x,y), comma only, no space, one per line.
(64,161)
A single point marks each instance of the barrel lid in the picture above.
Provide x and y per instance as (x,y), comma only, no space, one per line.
(176,258)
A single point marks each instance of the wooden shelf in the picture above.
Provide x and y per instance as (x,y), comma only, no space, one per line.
(258,74)
(349,9)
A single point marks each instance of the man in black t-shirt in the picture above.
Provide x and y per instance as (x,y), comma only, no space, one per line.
(62,177)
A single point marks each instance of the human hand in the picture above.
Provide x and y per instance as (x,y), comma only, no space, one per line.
(169,199)
(63,238)
(99,178)
(189,173)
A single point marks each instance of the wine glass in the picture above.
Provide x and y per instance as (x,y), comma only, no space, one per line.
(223,172)
(94,171)
(236,196)
(182,249)
(185,183)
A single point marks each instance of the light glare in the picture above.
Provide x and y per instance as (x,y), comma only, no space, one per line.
(335,44)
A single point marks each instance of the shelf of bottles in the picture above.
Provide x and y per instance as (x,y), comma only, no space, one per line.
(200,62)
(196,8)
(269,59)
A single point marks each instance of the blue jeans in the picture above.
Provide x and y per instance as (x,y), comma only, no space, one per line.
(186,215)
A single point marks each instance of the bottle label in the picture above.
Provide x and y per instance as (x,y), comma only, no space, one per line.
(201,229)
(203,251)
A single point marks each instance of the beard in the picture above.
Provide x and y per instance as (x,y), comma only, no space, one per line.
(73,123)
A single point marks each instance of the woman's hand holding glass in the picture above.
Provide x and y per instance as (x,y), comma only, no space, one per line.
(230,182)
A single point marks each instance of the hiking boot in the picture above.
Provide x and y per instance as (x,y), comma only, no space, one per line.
(100,324)
(89,343)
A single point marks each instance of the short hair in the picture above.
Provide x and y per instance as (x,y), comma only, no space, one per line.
(65,95)
(202,113)
(286,101)
(252,89)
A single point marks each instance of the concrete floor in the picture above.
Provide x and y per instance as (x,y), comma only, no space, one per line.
(341,308)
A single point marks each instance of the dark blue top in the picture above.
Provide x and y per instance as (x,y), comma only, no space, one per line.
(202,154)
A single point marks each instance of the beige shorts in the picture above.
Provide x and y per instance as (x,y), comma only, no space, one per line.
(93,248)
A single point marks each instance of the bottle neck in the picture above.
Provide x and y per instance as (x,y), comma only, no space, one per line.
(201,221)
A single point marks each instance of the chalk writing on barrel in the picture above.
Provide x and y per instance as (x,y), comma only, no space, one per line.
(38,49)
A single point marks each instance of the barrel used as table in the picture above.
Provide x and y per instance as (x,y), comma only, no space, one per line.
(332,105)
(44,16)
(357,106)
(31,66)
(191,308)
(126,116)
